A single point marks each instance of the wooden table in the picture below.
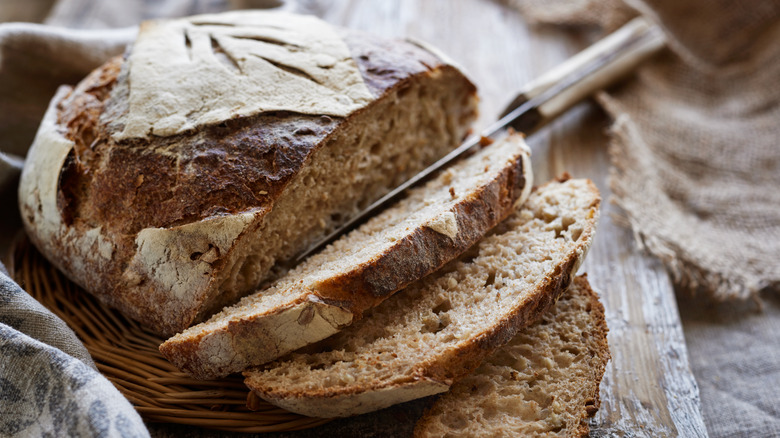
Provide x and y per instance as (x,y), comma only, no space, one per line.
(648,389)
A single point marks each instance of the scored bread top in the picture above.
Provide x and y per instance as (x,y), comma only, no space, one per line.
(239,165)
(428,228)
(544,382)
(193,71)
(439,329)
(169,229)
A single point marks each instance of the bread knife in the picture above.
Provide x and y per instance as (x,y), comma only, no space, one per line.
(539,102)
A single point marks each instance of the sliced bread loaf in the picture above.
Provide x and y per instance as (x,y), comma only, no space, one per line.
(545,382)
(420,341)
(431,226)
(170,181)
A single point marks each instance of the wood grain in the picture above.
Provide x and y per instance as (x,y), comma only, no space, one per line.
(649,389)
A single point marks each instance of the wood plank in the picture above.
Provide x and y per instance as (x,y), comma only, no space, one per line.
(649,389)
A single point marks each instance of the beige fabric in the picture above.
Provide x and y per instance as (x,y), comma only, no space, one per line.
(605,14)
(735,355)
(25,10)
(695,148)
(697,167)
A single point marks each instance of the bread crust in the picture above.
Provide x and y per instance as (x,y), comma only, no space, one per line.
(460,360)
(351,400)
(348,403)
(257,339)
(600,330)
(216,354)
(426,249)
(155,227)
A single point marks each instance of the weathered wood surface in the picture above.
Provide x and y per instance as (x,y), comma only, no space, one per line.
(648,389)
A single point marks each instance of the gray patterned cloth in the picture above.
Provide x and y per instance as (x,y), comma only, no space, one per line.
(48,384)
(21,312)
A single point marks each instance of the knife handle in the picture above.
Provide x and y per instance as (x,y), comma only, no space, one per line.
(593,69)
(541,101)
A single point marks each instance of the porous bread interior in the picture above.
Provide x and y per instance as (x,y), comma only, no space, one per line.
(545,382)
(361,246)
(424,325)
(420,207)
(376,151)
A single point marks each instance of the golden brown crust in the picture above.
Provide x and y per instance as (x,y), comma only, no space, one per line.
(239,167)
(236,166)
(459,361)
(602,356)
(466,360)
(208,355)
(358,288)
(350,401)
(426,250)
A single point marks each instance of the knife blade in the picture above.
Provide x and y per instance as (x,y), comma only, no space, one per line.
(537,103)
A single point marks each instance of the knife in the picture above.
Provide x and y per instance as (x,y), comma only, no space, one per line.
(539,102)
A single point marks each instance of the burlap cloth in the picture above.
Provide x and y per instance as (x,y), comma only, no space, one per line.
(696,168)
(695,139)
(694,147)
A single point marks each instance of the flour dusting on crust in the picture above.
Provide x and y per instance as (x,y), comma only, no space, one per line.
(210,68)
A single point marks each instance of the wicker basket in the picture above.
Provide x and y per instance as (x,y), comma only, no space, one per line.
(127,355)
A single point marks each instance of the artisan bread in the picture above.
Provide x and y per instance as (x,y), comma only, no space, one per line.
(171,180)
(430,227)
(421,340)
(544,382)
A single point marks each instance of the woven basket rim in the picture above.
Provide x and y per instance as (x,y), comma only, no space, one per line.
(127,355)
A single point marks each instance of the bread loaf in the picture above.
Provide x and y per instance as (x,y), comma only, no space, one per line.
(543,383)
(436,331)
(171,180)
(430,227)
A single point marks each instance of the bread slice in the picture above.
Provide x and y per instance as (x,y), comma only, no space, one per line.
(420,341)
(431,226)
(170,181)
(545,382)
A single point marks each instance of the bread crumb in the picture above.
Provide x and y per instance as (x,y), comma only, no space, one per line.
(445,223)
